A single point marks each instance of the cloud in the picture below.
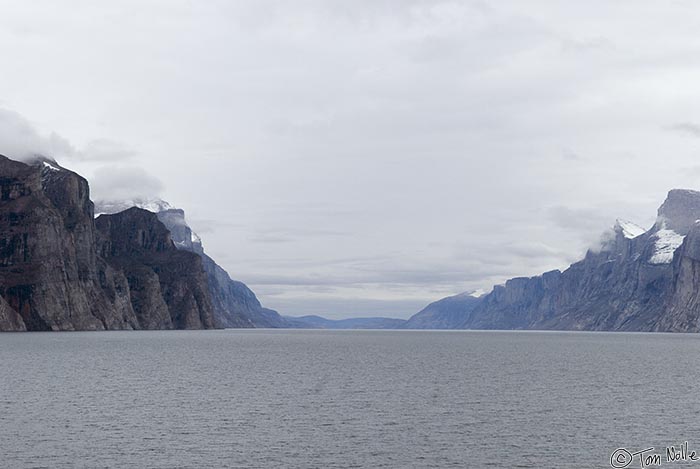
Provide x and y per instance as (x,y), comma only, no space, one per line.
(103,149)
(581,220)
(282,235)
(688,128)
(270,238)
(394,272)
(533,250)
(124,183)
(570,155)
(692,172)
(595,44)
(20,140)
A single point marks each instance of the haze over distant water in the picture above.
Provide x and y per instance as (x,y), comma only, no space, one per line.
(259,399)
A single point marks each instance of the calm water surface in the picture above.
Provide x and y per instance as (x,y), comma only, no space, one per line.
(326,399)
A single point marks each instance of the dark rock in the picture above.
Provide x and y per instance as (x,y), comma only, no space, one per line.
(57,272)
(168,286)
(50,275)
(680,210)
(10,320)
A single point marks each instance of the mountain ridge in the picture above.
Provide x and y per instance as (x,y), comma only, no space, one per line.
(63,269)
(235,305)
(635,281)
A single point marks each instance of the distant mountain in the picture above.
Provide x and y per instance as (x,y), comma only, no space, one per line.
(318,322)
(446,313)
(636,280)
(235,305)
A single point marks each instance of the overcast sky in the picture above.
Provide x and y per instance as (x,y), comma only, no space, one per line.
(366,157)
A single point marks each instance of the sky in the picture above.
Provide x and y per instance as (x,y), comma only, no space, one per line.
(365,157)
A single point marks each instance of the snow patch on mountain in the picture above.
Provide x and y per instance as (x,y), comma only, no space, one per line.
(50,166)
(667,241)
(152,204)
(628,229)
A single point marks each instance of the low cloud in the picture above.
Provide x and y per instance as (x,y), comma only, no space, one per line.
(583,221)
(571,155)
(688,128)
(124,182)
(103,149)
(20,140)
(281,235)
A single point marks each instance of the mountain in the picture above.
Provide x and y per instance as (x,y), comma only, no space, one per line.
(58,272)
(152,204)
(168,287)
(635,281)
(49,270)
(318,322)
(234,304)
(62,269)
(442,314)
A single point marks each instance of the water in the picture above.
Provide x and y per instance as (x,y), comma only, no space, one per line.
(325,399)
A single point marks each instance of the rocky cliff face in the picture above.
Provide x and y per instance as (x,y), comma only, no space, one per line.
(50,275)
(234,304)
(636,281)
(10,320)
(57,272)
(168,287)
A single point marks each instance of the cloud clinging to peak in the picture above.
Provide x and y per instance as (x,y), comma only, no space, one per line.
(20,140)
(124,183)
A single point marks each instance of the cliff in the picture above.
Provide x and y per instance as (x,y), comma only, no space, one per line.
(234,304)
(53,275)
(635,281)
(168,286)
(50,274)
